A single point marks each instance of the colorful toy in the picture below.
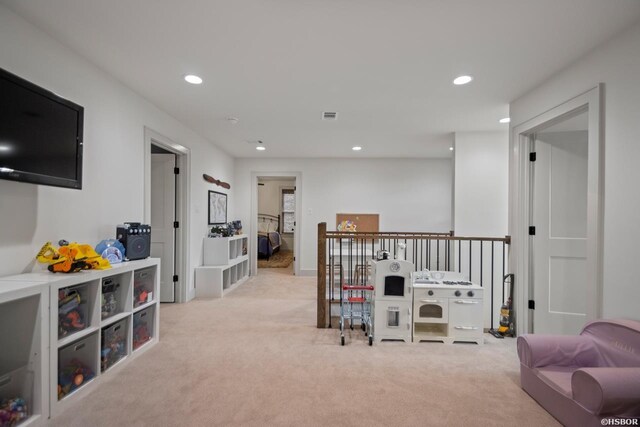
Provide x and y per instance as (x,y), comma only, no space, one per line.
(71,257)
(347,226)
(111,250)
(73,376)
(13,411)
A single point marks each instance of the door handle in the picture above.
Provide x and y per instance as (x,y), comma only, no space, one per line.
(462,301)
(430,300)
(466,328)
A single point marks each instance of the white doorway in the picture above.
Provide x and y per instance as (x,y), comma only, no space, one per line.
(163,218)
(559,214)
(166,204)
(556,217)
(292,179)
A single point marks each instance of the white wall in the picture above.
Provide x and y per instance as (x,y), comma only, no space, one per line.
(481,183)
(113,184)
(269,203)
(409,194)
(481,208)
(617,65)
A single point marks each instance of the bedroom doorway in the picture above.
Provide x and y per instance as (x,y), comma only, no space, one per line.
(276,223)
(290,177)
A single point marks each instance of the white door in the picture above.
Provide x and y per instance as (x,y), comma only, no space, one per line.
(163,206)
(559,214)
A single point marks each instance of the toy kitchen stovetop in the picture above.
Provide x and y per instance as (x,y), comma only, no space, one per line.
(446,308)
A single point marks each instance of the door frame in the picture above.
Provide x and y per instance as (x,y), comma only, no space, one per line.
(183,197)
(520,202)
(253,232)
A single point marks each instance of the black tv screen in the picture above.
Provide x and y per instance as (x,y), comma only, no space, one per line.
(40,135)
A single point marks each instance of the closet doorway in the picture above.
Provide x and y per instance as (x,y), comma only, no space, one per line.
(556,216)
(165,209)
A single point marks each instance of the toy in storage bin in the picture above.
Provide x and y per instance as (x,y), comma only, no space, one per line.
(16,393)
(143,281)
(72,310)
(114,344)
(76,364)
(110,296)
(143,327)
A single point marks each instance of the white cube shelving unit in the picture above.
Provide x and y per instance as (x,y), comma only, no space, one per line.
(115,319)
(226,265)
(105,343)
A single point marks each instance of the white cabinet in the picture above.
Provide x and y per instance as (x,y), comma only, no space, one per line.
(24,347)
(226,265)
(66,332)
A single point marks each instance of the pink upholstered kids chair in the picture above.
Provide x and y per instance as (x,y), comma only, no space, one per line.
(582,379)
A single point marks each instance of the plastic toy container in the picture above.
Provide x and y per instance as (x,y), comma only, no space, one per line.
(111,299)
(143,326)
(16,397)
(143,284)
(113,344)
(73,312)
(76,365)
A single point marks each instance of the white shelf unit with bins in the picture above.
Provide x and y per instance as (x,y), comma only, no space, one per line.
(24,347)
(86,325)
(109,334)
(226,265)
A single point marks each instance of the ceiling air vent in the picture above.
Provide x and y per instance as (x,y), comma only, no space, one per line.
(329,115)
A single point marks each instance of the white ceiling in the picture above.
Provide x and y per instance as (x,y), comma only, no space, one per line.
(385,66)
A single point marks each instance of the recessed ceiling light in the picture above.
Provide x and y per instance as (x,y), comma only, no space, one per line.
(356,148)
(193,79)
(462,80)
(505,120)
(261,148)
(450,148)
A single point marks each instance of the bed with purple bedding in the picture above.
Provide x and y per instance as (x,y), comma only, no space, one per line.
(269,239)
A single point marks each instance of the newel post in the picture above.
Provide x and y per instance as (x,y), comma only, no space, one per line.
(322,275)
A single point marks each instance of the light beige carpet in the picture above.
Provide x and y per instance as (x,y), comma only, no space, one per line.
(255,358)
(281,259)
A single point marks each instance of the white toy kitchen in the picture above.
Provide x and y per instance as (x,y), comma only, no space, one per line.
(446,308)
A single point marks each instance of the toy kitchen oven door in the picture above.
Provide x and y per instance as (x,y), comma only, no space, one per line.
(392,300)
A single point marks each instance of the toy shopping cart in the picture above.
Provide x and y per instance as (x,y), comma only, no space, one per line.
(355,304)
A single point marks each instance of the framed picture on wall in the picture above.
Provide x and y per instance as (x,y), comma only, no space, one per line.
(217,208)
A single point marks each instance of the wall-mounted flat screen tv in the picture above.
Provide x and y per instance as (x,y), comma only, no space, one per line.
(40,135)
